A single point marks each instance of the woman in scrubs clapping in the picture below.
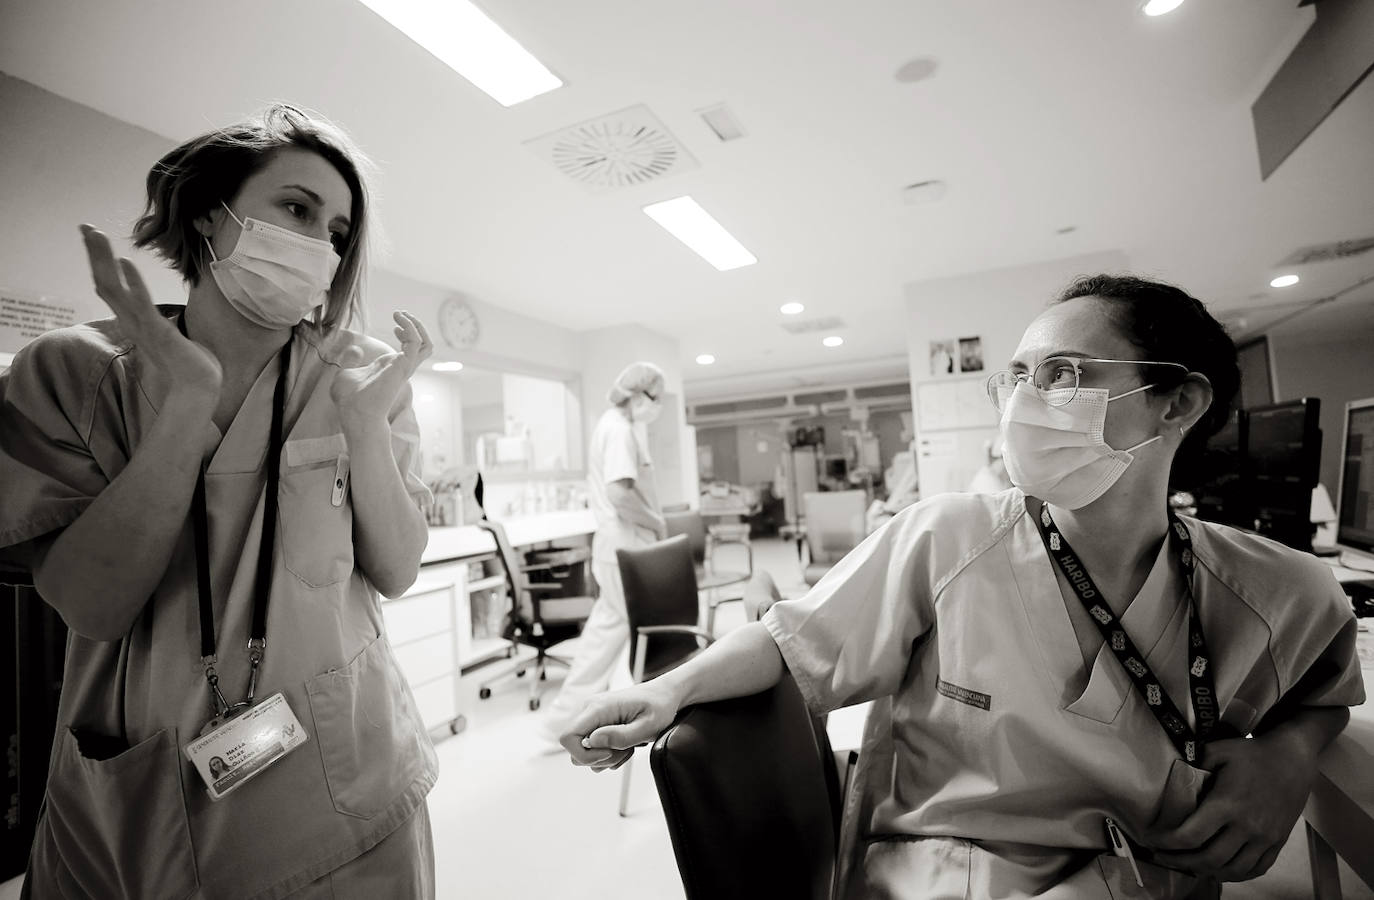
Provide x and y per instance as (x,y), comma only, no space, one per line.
(1064,664)
(212,496)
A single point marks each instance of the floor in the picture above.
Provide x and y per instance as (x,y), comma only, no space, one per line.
(512,821)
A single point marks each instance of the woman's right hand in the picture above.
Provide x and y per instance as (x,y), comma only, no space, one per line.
(191,370)
(618,722)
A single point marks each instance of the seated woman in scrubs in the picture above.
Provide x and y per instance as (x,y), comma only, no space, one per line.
(1064,666)
(212,496)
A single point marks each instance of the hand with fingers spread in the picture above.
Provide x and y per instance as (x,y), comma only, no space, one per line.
(608,728)
(364,394)
(1257,793)
(191,370)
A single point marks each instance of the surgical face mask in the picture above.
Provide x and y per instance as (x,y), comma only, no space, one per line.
(645,410)
(274,277)
(1058,453)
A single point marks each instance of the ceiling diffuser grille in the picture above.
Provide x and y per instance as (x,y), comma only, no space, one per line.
(830,323)
(623,149)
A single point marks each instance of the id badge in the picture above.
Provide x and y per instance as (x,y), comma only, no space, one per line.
(233,752)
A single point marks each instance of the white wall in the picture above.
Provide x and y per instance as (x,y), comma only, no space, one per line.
(996,306)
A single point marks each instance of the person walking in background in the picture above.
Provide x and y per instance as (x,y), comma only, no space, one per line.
(624,500)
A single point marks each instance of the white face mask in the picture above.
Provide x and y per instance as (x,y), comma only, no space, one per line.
(1058,453)
(274,277)
(642,409)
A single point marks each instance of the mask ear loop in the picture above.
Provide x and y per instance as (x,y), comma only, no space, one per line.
(213,257)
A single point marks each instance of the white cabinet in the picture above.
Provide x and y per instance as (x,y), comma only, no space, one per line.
(423,627)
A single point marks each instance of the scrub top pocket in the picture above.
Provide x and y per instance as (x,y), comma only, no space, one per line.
(317,532)
(1107,690)
(119,825)
(370,735)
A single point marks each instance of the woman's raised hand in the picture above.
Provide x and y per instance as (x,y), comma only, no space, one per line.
(190,369)
(364,394)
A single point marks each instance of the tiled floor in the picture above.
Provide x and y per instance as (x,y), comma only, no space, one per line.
(513,822)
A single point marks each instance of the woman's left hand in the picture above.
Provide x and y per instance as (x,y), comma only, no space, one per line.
(364,394)
(1259,787)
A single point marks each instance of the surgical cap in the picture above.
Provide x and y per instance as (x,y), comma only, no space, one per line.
(634,378)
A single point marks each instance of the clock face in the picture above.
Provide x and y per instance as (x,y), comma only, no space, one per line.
(458,323)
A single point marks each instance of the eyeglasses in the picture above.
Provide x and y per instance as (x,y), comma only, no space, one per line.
(652,398)
(1056,378)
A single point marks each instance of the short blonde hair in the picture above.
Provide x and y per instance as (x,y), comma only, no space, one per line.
(192,181)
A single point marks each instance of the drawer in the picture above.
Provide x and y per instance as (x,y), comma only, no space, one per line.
(427,659)
(419,614)
(435,702)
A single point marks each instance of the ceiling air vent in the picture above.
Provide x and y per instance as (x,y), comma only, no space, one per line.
(623,149)
(1327,252)
(806,326)
(723,122)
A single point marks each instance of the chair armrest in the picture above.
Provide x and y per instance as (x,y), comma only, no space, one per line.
(542,587)
(543,567)
(675,629)
(717,601)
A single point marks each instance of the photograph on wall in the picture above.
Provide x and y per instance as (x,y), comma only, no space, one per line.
(942,357)
(970,354)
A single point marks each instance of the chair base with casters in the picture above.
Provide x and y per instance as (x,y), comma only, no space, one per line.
(539,662)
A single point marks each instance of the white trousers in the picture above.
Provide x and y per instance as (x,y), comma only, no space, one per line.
(603,650)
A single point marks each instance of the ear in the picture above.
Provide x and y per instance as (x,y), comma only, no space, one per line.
(207,222)
(1190,402)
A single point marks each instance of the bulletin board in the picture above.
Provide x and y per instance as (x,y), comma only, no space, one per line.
(24,317)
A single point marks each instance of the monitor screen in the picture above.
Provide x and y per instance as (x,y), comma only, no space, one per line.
(1283,442)
(1356,504)
(1218,485)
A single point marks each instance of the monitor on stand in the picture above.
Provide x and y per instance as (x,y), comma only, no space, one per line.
(1220,488)
(1355,495)
(1283,458)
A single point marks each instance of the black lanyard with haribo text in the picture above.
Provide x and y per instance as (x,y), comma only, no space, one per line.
(1200,682)
(262,589)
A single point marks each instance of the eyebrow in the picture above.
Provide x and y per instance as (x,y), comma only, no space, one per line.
(1015,364)
(318,201)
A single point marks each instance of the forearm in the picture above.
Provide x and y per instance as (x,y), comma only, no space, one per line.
(1304,735)
(101,570)
(633,508)
(389,531)
(743,662)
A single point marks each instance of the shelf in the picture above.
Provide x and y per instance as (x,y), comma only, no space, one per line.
(486,584)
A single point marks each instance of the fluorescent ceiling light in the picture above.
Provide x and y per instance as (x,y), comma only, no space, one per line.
(463,38)
(705,359)
(1160,7)
(791,309)
(833,341)
(1284,281)
(685,220)
(448,367)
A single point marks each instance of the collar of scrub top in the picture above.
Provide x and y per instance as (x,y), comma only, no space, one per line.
(257,639)
(1202,690)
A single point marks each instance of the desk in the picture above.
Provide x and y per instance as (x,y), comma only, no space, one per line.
(1340,812)
(525,532)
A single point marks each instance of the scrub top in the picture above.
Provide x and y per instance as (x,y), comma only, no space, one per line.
(1006,731)
(619,449)
(136,821)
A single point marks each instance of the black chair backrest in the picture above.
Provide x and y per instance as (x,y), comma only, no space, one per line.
(746,800)
(693,526)
(660,589)
(510,561)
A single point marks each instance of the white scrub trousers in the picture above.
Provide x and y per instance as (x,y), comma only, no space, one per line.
(603,646)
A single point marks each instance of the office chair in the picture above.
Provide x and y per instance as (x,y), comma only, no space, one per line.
(834,526)
(662,607)
(751,798)
(703,544)
(536,619)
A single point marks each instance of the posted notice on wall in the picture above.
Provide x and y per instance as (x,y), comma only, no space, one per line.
(24,317)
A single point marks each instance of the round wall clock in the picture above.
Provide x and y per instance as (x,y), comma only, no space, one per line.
(458,323)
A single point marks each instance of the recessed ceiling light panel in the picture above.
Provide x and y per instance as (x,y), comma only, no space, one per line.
(833,341)
(684,219)
(1284,281)
(792,309)
(705,359)
(1160,7)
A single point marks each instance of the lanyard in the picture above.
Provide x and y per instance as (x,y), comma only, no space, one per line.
(1201,688)
(257,640)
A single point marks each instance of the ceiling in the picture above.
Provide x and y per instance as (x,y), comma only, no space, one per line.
(1040,116)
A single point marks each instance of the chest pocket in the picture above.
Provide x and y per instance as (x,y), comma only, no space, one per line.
(315,515)
(1107,689)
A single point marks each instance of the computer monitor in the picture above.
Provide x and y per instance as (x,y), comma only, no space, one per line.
(1219,487)
(1283,459)
(1355,497)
